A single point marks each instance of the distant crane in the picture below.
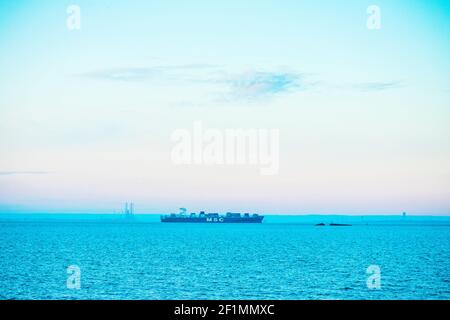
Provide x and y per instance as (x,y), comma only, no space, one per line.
(128,210)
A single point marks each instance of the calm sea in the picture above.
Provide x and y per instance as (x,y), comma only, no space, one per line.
(283,258)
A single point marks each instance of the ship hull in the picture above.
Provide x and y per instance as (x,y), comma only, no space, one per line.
(257,219)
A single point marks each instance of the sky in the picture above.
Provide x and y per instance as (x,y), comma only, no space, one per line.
(86,115)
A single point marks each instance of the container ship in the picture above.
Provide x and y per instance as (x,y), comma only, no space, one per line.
(202,217)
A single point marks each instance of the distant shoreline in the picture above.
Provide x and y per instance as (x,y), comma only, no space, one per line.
(265,214)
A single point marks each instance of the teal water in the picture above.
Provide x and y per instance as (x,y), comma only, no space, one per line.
(283,258)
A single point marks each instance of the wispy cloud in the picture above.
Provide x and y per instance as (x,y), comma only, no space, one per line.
(6,173)
(245,85)
(378,85)
(256,84)
(232,86)
(124,74)
(155,73)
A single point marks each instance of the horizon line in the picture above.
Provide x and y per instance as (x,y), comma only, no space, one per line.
(266,214)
